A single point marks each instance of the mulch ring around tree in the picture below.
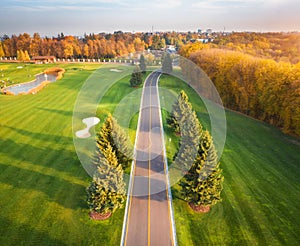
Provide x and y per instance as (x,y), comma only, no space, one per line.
(199,208)
(97,216)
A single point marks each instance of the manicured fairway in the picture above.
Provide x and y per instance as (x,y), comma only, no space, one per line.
(16,73)
(261,197)
(42,182)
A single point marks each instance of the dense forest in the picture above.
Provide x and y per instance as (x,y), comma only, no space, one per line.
(89,46)
(262,88)
(278,46)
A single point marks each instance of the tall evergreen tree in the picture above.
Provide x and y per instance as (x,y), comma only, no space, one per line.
(136,77)
(106,192)
(197,157)
(121,145)
(167,66)
(111,134)
(202,185)
(184,120)
(179,109)
(143,65)
(189,142)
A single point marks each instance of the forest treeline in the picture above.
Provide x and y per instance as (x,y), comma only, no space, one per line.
(277,46)
(89,46)
(262,88)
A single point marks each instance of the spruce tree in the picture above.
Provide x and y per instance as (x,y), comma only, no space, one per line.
(106,192)
(189,142)
(202,185)
(183,119)
(121,145)
(143,65)
(196,158)
(136,77)
(180,109)
(111,134)
(167,66)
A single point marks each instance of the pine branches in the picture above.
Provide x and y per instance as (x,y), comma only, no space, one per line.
(106,192)
(197,157)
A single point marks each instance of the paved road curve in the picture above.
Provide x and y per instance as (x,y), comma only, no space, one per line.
(149,209)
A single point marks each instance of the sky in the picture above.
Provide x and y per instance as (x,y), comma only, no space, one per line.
(76,17)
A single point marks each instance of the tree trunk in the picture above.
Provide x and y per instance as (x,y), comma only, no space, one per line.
(199,208)
(97,216)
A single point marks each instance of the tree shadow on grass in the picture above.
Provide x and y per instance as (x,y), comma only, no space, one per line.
(24,234)
(58,190)
(60,160)
(57,111)
(42,136)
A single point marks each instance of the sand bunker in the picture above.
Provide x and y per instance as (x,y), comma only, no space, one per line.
(89,122)
(116,70)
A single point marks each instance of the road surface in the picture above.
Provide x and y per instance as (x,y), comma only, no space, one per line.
(149,216)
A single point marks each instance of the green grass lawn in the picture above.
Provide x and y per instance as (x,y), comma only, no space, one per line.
(123,102)
(261,196)
(14,73)
(42,182)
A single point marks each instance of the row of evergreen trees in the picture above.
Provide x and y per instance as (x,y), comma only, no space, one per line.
(202,182)
(137,75)
(106,192)
(201,185)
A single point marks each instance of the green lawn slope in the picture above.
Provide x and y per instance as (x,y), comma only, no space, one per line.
(42,182)
(261,196)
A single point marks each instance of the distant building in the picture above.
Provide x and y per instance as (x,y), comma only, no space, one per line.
(43,59)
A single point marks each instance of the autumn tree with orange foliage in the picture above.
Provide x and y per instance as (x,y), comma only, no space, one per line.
(261,88)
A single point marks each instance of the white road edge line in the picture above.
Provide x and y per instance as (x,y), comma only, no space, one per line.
(124,229)
(167,169)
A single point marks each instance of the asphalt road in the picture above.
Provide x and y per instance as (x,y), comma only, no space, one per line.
(149,210)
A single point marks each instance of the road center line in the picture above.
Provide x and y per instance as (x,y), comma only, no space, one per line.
(149,168)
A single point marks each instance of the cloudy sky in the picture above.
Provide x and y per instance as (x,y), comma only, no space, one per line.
(50,17)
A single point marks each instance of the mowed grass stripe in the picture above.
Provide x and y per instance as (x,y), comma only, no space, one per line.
(39,165)
(49,98)
(261,196)
(49,171)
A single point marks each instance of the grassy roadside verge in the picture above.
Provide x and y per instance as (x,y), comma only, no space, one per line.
(123,102)
(261,190)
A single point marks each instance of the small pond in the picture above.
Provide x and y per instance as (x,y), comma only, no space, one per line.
(26,87)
